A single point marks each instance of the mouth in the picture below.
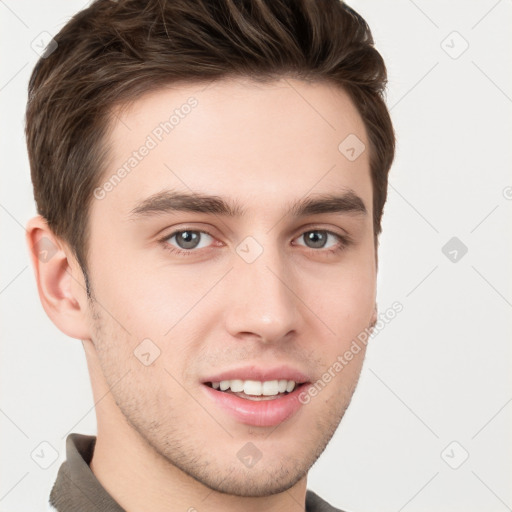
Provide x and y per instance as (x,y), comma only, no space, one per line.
(257,403)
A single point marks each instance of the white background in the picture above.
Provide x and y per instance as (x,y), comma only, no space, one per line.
(438,373)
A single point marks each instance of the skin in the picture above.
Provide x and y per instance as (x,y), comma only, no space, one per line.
(161,442)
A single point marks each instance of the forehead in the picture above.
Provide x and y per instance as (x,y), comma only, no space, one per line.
(263,143)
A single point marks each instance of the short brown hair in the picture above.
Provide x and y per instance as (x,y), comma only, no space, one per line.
(113,51)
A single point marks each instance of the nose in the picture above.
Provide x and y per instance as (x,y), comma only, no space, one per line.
(262,304)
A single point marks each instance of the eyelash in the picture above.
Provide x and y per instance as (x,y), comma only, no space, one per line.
(344,242)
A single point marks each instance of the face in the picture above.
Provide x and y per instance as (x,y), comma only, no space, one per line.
(264,276)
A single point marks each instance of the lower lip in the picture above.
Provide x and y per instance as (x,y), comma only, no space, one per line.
(261,413)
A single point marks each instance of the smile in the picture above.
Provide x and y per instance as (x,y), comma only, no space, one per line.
(256,403)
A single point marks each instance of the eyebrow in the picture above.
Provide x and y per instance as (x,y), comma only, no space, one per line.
(168,201)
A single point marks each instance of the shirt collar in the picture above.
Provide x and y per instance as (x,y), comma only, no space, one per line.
(76,487)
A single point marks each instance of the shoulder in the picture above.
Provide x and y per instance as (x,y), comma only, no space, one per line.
(316,504)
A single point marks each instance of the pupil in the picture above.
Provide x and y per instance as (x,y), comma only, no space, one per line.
(316,239)
(187,239)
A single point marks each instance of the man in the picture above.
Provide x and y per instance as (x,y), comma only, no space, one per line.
(210,180)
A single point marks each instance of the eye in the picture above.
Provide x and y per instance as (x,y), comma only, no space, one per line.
(319,239)
(186,240)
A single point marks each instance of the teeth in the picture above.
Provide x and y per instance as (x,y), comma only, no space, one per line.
(290,386)
(270,387)
(256,387)
(252,387)
(237,385)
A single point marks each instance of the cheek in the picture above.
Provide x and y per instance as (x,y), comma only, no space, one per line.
(139,296)
(160,312)
(344,299)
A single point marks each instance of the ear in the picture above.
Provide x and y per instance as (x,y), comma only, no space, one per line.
(373,320)
(60,281)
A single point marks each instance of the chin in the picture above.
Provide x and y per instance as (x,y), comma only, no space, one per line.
(253,482)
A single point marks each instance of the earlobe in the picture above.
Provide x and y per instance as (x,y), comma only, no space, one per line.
(59,279)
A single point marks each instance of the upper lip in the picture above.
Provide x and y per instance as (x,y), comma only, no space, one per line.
(261,373)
